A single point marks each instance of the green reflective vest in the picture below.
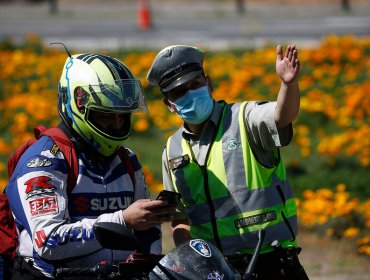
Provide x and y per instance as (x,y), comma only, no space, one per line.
(232,196)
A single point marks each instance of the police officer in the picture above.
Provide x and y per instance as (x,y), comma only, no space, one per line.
(225,161)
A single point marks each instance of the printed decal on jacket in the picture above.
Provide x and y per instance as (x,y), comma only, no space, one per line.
(74,235)
(38,162)
(256,219)
(215,275)
(38,185)
(43,206)
(95,204)
(178,268)
(201,247)
(179,162)
(232,144)
(54,149)
(40,238)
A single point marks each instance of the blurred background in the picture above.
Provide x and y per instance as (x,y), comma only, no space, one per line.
(215,24)
(329,158)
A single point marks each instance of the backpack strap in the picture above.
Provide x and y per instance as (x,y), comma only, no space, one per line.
(66,146)
(14,157)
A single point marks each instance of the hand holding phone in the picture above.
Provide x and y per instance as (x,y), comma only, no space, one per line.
(171,197)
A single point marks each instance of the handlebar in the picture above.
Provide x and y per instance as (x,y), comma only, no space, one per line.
(136,266)
(101,269)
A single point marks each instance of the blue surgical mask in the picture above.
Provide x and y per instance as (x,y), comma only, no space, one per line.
(195,106)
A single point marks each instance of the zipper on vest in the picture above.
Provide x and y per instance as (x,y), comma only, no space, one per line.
(211,208)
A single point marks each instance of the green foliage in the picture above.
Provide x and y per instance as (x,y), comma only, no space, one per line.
(148,147)
(315,172)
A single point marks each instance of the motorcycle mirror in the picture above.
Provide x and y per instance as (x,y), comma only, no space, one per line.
(116,237)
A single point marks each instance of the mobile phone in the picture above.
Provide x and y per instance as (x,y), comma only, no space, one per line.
(171,197)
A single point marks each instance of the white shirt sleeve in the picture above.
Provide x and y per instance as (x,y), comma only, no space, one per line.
(263,135)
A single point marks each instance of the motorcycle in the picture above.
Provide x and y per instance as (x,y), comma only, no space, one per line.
(193,259)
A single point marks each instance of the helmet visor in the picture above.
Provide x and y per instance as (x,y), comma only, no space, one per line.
(124,96)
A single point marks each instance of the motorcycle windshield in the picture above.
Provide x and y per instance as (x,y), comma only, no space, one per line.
(194,259)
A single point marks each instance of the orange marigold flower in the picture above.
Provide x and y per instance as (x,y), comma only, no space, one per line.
(351,232)
(329,232)
(363,241)
(141,125)
(341,187)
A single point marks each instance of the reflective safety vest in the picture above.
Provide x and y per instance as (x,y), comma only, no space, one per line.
(231,195)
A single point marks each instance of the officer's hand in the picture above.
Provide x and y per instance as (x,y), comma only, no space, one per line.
(146,213)
(287,65)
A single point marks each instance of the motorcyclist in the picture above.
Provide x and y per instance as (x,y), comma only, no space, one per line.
(96,96)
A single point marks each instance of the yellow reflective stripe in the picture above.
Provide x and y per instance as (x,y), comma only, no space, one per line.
(258,176)
(216,170)
(215,159)
(168,156)
(227,227)
(247,153)
(193,175)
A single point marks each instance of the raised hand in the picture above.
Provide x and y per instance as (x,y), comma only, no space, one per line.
(146,213)
(287,65)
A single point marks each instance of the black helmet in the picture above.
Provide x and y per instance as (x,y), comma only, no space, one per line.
(174,66)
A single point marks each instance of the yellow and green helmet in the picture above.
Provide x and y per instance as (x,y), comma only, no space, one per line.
(97,82)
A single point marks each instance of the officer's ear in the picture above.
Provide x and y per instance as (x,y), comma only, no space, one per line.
(170,106)
(209,82)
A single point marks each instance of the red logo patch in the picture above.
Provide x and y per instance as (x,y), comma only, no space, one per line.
(40,238)
(38,185)
(44,206)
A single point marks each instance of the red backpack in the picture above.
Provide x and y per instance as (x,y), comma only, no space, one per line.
(8,233)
